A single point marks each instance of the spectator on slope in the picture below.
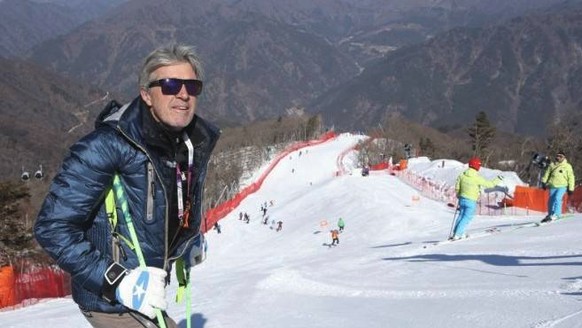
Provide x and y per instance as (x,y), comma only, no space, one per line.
(468,188)
(217,227)
(334,237)
(341,224)
(559,178)
(264,209)
(158,148)
(279,226)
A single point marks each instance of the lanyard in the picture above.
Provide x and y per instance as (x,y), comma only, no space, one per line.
(184,212)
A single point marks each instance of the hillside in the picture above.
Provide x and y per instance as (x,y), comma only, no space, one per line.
(525,74)
(42,114)
(264,57)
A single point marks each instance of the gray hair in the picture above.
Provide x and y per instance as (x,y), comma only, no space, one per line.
(169,55)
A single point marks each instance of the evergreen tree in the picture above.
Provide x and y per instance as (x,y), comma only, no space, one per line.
(481,134)
(313,127)
(427,147)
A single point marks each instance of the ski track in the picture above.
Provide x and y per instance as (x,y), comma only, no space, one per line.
(491,231)
(555,322)
(288,281)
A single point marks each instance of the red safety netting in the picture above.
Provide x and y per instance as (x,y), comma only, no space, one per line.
(24,281)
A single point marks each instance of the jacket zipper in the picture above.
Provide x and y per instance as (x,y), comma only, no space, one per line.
(166,254)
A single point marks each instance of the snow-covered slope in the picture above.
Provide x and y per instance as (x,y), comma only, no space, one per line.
(386,272)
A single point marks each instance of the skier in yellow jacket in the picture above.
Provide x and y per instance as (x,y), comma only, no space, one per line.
(559,177)
(468,188)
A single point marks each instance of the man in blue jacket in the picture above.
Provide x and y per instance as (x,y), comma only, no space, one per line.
(159,149)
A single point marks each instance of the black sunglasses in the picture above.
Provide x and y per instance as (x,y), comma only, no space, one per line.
(173,86)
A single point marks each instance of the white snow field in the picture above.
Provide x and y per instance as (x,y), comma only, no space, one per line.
(386,272)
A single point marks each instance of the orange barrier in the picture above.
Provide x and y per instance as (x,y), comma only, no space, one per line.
(25,281)
(575,201)
(534,199)
(380,166)
(7,291)
(42,282)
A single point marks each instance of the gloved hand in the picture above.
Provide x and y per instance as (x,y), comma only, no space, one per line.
(544,186)
(143,290)
(196,253)
(570,192)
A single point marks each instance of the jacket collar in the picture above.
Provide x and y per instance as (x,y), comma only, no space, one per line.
(129,119)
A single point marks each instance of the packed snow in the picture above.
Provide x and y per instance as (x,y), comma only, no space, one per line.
(386,271)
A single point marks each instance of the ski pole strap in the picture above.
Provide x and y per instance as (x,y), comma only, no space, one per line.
(122,201)
(182,275)
(110,209)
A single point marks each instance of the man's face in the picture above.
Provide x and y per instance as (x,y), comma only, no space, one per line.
(173,111)
(560,158)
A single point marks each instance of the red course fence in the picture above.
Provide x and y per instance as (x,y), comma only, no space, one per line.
(23,281)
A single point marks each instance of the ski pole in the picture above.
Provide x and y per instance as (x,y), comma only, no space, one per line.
(454,219)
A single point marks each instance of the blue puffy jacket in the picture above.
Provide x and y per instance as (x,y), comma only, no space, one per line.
(72,225)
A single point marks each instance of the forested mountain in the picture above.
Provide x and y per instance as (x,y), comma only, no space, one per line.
(263,57)
(26,23)
(267,58)
(525,73)
(42,114)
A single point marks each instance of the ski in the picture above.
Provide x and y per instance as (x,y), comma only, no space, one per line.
(495,230)
(562,218)
(484,233)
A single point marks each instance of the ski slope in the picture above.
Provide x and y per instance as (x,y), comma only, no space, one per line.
(386,272)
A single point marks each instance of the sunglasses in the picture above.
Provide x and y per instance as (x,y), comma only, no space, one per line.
(173,86)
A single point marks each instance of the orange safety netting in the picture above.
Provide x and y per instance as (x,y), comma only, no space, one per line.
(536,199)
(7,292)
(24,281)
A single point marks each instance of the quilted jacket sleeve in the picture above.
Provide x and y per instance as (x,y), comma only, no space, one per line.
(73,204)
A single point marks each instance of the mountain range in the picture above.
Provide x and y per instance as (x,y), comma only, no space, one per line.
(525,74)
(437,62)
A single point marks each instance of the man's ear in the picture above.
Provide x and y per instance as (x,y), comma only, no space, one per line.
(145,96)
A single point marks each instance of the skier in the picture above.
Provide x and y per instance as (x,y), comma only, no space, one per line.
(279,226)
(217,227)
(559,177)
(366,171)
(341,224)
(334,237)
(468,187)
